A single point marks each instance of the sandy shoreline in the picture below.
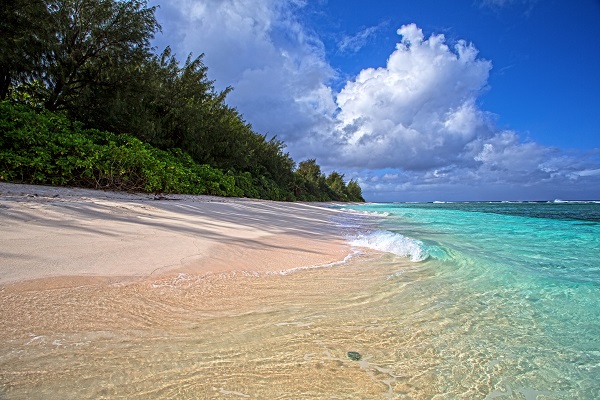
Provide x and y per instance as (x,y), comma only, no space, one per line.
(116,295)
(70,234)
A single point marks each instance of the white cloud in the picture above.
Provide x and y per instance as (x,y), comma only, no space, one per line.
(525,6)
(419,110)
(589,172)
(496,3)
(419,114)
(357,41)
(413,126)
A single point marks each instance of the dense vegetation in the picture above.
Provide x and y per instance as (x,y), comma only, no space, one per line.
(86,102)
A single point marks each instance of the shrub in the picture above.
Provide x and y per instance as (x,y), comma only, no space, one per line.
(46,148)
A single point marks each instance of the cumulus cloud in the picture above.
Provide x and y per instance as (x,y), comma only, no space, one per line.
(422,104)
(412,126)
(419,115)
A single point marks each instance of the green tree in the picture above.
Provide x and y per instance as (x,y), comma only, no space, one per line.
(335,181)
(311,184)
(25,31)
(156,99)
(91,38)
(310,170)
(354,191)
(91,60)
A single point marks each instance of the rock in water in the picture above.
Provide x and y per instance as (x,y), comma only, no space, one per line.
(354,355)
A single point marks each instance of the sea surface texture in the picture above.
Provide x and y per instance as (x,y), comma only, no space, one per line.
(511,290)
(439,301)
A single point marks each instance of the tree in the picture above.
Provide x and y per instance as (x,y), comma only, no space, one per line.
(335,181)
(354,191)
(91,38)
(311,183)
(91,61)
(310,170)
(157,99)
(25,31)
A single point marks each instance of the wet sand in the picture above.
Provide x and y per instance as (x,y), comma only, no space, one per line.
(219,336)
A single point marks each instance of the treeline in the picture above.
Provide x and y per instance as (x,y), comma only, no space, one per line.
(90,61)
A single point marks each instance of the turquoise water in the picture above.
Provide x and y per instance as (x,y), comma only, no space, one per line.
(517,283)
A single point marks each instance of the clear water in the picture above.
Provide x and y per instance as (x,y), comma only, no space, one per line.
(519,286)
(500,301)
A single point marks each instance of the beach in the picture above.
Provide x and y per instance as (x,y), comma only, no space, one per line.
(115,295)
(50,232)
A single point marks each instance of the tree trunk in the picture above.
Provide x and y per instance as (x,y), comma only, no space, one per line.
(4,84)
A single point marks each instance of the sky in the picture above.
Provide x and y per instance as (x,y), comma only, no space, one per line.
(417,100)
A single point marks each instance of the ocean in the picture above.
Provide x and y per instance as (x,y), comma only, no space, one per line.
(438,301)
(512,291)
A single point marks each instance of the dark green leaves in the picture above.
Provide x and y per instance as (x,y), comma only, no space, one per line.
(46,148)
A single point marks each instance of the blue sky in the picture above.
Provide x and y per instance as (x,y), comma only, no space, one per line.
(418,100)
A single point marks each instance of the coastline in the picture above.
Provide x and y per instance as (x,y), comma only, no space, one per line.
(462,326)
(95,305)
(70,234)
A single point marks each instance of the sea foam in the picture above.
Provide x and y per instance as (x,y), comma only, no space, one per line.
(368,213)
(391,242)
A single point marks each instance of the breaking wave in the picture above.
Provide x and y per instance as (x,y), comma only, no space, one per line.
(369,213)
(394,243)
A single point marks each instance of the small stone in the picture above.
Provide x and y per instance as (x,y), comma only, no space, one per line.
(354,355)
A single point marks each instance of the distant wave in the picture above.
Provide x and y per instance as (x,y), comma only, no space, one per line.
(558,201)
(369,213)
(394,243)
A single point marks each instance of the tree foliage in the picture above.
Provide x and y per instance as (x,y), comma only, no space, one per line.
(47,148)
(91,39)
(91,61)
(25,33)
(313,185)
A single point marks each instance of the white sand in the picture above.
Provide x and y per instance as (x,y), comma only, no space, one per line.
(49,232)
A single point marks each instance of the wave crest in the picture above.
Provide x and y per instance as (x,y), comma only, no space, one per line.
(394,243)
(369,213)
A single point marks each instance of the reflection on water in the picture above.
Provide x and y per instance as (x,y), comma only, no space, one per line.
(286,337)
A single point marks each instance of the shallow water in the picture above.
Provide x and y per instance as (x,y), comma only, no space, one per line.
(492,312)
(264,337)
(520,283)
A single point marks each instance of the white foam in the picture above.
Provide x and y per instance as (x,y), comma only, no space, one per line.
(558,201)
(369,213)
(318,266)
(394,243)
